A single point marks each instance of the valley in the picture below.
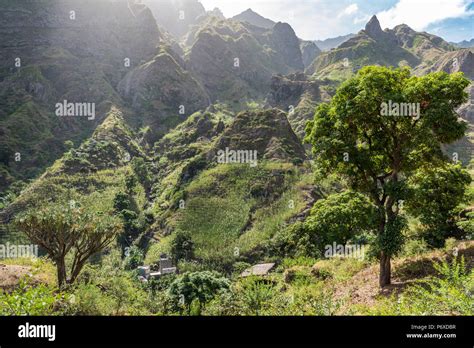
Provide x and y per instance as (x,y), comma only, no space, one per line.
(224,143)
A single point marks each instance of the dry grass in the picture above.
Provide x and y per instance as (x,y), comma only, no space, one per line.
(12,270)
(363,288)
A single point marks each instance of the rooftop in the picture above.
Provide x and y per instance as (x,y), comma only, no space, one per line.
(259,269)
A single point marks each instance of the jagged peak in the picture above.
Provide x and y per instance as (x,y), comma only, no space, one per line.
(373,28)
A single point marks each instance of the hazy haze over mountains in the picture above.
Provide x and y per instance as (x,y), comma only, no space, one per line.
(224,135)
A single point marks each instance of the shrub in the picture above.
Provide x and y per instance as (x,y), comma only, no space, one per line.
(29,299)
(414,247)
(201,287)
(239,267)
(134,258)
(298,275)
(88,299)
(450,244)
(314,300)
(182,246)
(451,292)
(255,295)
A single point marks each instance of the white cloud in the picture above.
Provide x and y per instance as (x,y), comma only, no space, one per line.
(418,14)
(362,19)
(351,9)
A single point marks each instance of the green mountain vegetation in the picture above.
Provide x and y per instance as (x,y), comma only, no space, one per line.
(400,46)
(225,144)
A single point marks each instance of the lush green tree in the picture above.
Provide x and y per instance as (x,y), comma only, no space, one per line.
(182,246)
(197,286)
(352,137)
(63,229)
(296,240)
(130,183)
(338,218)
(122,202)
(435,193)
(125,206)
(341,216)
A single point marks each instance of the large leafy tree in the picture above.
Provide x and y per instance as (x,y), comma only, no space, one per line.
(338,218)
(352,138)
(63,229)
(435,193)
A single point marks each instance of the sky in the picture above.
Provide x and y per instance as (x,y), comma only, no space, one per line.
(320,19)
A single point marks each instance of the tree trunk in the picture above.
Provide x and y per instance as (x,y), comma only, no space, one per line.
(385,269)
(385,266)
(61,268)
(77,269)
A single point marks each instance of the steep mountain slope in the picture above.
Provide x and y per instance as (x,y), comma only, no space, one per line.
(235,60)
(400,46)
(298,95)
(450,62)
(91,173)
(101,52)
(162,92)
(267,132)
(49,55)
(197,192)
(309,52)
(370,46)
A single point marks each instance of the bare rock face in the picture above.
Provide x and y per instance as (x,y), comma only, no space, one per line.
(461,60)
(288,90)
(298,96)
(287,44)
(52,51)
(373,29)
(236,60)
(161,89)
(309,51)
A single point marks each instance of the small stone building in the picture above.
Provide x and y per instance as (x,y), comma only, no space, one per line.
(261,269)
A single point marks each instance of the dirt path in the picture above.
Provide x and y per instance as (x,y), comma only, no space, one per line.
(363,287)
(10,275)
